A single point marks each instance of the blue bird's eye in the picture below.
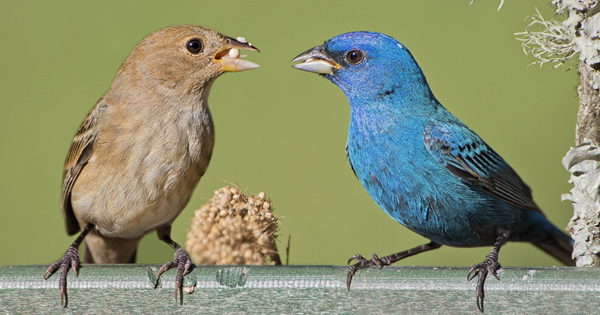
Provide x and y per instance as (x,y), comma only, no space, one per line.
(194,46)
(355,57)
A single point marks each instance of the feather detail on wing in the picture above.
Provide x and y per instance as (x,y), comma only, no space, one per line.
(80,152)
(350,161)
(468,157)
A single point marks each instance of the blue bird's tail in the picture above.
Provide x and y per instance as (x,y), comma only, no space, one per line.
(559,245)
(535,228)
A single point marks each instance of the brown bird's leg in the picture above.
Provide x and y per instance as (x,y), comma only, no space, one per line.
(181,260)
(489,265)
(384,261)
(70,259)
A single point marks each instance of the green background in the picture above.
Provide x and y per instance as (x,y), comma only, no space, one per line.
(279,130)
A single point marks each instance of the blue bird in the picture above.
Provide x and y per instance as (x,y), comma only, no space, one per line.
(420,164)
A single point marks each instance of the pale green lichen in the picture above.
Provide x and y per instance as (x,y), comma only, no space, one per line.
(583,164)
(548,41)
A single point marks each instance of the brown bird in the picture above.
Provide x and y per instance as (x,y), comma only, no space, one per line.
(141,150)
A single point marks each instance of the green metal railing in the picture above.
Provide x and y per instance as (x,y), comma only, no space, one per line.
(121,289)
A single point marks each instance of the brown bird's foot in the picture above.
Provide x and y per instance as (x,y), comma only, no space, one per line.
(183,263)
(70,259)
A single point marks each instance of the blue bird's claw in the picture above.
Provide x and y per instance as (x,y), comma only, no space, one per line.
(351,271)
(375,259)
(384,261)
(489,266)
(357,257)
(364,263)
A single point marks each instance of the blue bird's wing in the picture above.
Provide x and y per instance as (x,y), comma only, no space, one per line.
(469,158)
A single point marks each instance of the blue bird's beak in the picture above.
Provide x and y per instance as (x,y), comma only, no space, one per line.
(316,60)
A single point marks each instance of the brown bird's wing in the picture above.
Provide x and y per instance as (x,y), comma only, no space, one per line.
(80,152)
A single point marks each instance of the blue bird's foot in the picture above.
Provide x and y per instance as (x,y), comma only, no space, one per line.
(489,265)
(375,261)
(384,261)
(364,263)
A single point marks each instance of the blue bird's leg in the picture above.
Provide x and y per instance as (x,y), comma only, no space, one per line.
(384,261)
(489,265)
(70,259)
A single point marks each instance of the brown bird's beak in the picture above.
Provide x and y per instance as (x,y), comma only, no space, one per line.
(229,56)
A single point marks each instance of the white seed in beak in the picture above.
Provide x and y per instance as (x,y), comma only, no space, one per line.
(241,40)
(234,53)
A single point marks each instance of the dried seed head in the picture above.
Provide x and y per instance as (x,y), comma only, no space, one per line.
(234,229)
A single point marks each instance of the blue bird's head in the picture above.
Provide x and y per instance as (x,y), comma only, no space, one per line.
(366,66)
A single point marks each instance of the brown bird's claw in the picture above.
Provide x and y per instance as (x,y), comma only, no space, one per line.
(183,262)
(70,259)
(489,265)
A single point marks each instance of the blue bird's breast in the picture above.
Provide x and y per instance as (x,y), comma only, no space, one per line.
(390,160)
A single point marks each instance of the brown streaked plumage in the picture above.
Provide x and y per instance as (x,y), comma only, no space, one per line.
(141,150)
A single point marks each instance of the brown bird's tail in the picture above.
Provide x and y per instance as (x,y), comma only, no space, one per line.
(559,245)
(103,250)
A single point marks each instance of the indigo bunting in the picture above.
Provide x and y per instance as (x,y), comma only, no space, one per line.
(420,164)
(141,150)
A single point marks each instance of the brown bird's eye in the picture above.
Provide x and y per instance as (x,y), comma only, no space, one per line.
(355,57)
(194,46)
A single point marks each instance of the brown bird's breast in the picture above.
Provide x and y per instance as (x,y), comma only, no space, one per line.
(143,173)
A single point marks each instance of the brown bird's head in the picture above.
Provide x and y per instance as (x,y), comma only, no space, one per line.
(183,59)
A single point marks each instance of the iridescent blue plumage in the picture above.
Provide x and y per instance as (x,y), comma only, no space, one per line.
(419,163)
